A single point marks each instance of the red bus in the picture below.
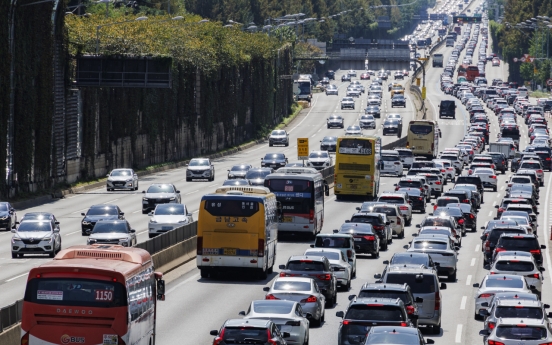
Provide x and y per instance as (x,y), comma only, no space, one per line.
(471,73)
(98,294)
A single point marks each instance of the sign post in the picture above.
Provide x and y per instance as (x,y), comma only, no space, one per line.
(424,92)
(303,149)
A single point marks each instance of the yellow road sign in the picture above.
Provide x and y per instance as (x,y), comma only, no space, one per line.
(423,58)
(424,92)
(302,148)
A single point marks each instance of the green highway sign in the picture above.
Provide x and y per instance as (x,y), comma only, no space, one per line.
(466,19)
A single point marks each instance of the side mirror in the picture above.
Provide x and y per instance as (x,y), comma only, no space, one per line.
(358,208)
(121,213)
(56,223)
(82,214)
(415,234)
(55,230)
(543,246)
(107,175)
(132,231)
(143,192)
(214,332)
(386,262)
(414,316)
(387,223)
(286,335)
(347,221)
(242,313)
(419,300)
(340,314)
(546,306)
(484,333)
(351,297)
(405,246)
(482,228)
(418,226)
(542,269)
(443,286)
(476,285)
(282,267)
(377,276)
(487,266)
(496,206)
(430,341)
(335,231)
(312,245)
(431,214)
(178,192)
(266,288)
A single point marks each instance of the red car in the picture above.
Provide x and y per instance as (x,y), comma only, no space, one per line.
(365,76)
(405,72)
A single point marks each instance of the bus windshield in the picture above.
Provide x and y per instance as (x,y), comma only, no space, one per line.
(289,185)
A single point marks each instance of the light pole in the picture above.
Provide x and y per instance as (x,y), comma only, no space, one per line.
(111,24)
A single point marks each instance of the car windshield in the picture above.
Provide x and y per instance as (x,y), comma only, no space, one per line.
(257,174)
(108,227)
(164,188)
(272,307)
(34,226)
(374,312)
(521,332)
(245,335)
(292,286)
(393,294)
(436,222)
(332,242)
(348,99)
(3,207)
(236,182)
(517,219)
(518,312)
(353,128)
(274,156)
(121,173)
(391,122)
(329,139)
(328,255)
(318,155)
(199,162)
(102,211)
(240,168)
(504,282)
(169,210)
(278,132)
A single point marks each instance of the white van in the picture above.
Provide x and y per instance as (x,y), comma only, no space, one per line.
(523,92)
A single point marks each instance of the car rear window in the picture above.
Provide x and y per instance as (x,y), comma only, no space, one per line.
(445,202)
(374,312)
(405,153)
(435,245)
(503,282)
(305,265)
(367,219)
(292,286)
(391,200)
(243,335)
(332,242)
(436,222)
(496,233)
(390,158)
(519,312)
(522,243)
(514,265)
(390,211)
(403,295)
(419,283)
(413,184)
(521,332)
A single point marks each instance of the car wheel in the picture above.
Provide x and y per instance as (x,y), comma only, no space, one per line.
(376,255)
(452,277)
(494,189)
(401,235)
(144,211)
(14,255)
(269,144)
(188,179)
(436,329)
(52,253)
(384,245)
(409,222)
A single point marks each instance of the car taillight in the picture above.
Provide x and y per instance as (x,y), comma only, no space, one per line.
(270,296)
(404,324)
(493,177)
(410,309)
(311,216)
(472,216)
(270,340)
(491,325)
(487,246)
(437,301)
(403,208)
(438,182)
(434,207)
(219,337)
(199,250)
(324,276)
(399,221)
(443,170)
(349,253)
(378,227)
(535,251)
(536,276)
(547,159)
(539,171)
(498,250)
(486,295)
(310,299)
(261,248)
(494,342)
(369,238)
(420,198)
(460,221)
(500,210)
(465,201)
(470,172)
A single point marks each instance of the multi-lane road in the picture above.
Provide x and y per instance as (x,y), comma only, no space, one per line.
(194,306)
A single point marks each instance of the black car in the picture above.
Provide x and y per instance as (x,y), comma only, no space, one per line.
(392,126)
(99,212)
(470,216)
(241,331)
(8,216)
(454,212)
(335,121)
(328,144)
(545,155)
(416,198)
(398,101)
(366,240)
(472,179)
(379,224)
(345,77)
(373,110)
(330,75)
(491,238)
(238,171)
(274,160)
(520,242)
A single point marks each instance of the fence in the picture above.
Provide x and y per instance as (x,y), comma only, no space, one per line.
(10,315)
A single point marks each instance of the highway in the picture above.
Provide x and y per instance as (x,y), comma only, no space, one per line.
(194,306)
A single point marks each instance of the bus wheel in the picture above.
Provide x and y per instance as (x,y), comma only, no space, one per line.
(204,273)
(262,274)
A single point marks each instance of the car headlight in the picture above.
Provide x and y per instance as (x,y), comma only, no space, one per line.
(4,218)
(91,241)
(208,173)
(47,239)
(129,180)
(153,221)
(145,199)
(84,222)
(188,172)
(183,221)
(15,238)
(230,175)
(173,198)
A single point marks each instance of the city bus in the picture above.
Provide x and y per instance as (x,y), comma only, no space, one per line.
(300,192)
(423,138)
(237,228)
(357,170)
(471,73)
(97,294)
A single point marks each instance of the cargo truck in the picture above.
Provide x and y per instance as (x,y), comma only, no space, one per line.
(437,60)
(508,149)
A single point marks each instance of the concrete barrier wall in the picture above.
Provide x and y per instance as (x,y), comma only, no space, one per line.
(11,336)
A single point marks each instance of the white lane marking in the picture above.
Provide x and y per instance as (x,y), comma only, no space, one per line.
(490,213)
(72,233)
(110,201)
(494,203)
(472,263)
(458,338)
(502,188)
(312,136)
(141,232)
(463,302)
(498,196)
(194,277)
(546,226)
(19,276)
(468,280)
(137,211)
(195,191)
(477,247)
(79,211)
(306,116)
(213,185)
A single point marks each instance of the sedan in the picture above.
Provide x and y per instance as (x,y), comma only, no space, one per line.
(334,121)
(319,160)
(348,103)
(167,217)
(257,176)
(287,315)
(159,193)
(274,160)
(373,110)
(328,144)
(8,216)
(112,232)
(238,171)
(398,101)
(442,250)
(392,126)
(367,121)
(331,90)
(99,212)
(495,283)
(365,76)
(122,179)
(353,130)
(36,237)
(303,290)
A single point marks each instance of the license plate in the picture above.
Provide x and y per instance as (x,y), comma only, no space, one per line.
(166,228)
(31,246)
(229,251)
(358,239)
(288,219)
(352,186)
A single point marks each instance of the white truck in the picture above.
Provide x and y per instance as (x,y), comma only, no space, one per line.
(302,87)
(508,149)
(437,60)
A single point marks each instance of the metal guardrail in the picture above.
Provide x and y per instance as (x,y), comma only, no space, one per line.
(10,315)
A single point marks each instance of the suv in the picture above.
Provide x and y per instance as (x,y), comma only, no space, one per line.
(410,182)
(435,182)
(237,331)
(316,267)
(402,291)
(36,236)
(534,165)
(366,239)
(160,193)
(201,168)
(112,232)
(99,212)
(390,161)
(513,307)
(491,237)
(500,161)
(122,179)
(401,200)
(393,213)
(519,263)
(522,243)
(406,156)
(380,223)
(343,242)
(278,137)
(424,283)
(365,313)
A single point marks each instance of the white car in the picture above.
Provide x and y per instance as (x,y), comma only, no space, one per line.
(494,283)
(342,269)
(442,250)
(287,315)
(374,100)
(520,264)
(167,217)
(353,130)
(367,121)
(122,179)
(319,160)
(488,177)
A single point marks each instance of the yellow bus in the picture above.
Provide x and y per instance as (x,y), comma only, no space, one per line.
(237,227)
(423,138)
(357,166)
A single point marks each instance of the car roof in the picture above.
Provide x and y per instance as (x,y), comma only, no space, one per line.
(516,302)
(306,257)
(321,250)
(377,300)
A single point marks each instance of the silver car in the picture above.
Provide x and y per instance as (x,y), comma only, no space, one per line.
(520,264)
(319,160)
(514,307)
(200,168)
(303,290)
(122,179)
(167,217)
(287,315)
(442,250)
(159,193)
(518,331)
(348,102)
(367,121)
(353,130)
(112,232)
(494,283)
(343,271)
(278,137)
(36,237)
